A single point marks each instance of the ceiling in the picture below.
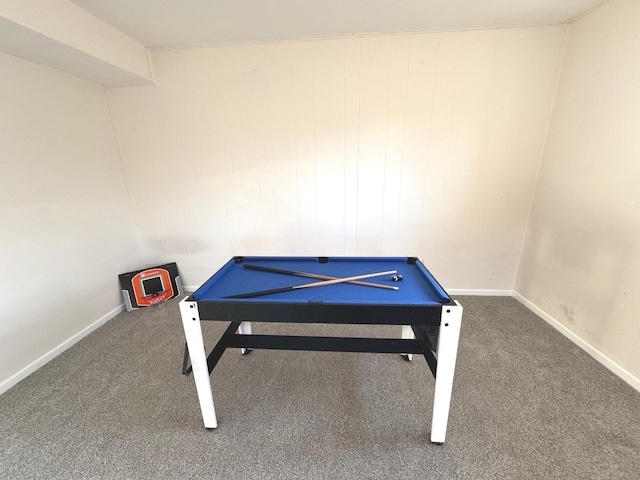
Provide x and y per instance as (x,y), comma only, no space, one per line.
(176,23)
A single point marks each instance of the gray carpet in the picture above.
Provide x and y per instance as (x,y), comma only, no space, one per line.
(527,403)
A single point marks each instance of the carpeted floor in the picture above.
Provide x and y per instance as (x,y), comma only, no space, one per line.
(527,403)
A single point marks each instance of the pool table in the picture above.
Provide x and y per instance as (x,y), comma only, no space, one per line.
(396,291)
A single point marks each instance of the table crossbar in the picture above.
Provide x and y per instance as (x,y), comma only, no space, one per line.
(230,339)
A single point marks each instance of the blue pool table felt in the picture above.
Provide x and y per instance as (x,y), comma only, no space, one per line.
(418,286)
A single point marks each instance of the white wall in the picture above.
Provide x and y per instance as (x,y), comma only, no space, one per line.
(66,229)
(424,144)
(581,260)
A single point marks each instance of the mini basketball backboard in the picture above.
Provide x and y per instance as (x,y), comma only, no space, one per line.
(151,286)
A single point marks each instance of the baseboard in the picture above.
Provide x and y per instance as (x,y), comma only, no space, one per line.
(579,341)
(616,369)
(47,357)
(478,292)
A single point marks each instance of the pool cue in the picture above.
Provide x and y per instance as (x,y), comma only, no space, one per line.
(310,285)
(315,275)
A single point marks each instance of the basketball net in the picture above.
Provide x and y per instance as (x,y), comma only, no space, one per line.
(158,298)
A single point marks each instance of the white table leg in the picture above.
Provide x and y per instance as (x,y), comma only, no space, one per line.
(245,329)
(448,337)
(407,333)
(193,334)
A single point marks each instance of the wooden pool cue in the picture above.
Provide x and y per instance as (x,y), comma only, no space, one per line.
(310,285)
(315,275)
